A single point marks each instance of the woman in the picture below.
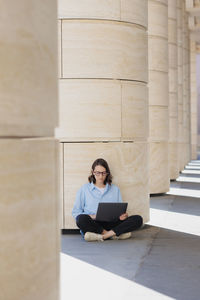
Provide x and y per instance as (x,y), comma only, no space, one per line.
(101,189)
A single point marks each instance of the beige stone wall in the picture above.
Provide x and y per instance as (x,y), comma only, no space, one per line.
(103,110)
(103,95)
(158,153)
(173,89)
(158,95)
(29,217)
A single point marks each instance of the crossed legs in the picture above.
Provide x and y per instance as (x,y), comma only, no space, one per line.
(108,229)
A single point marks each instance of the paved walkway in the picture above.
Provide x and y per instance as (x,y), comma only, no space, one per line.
(160,261)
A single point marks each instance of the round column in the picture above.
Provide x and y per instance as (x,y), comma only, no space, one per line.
(186,94)
(189,154)
(173,89)
(180,83)
(29,225)
(198,92)
(103,96)
(193,96)
(158,96)
(28,69)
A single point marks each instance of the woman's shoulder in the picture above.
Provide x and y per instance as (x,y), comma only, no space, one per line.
(114,187)
(84,187)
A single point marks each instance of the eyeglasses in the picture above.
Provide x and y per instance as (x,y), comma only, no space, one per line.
(99,173)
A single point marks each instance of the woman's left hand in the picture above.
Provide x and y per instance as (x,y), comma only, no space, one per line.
(123,217)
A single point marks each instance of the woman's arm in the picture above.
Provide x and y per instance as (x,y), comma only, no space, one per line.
(125,215)
(119,196)
(79,204)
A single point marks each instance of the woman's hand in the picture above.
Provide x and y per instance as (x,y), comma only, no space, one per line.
(93,217)
(123,217)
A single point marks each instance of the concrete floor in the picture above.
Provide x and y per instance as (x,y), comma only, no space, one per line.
(160,261)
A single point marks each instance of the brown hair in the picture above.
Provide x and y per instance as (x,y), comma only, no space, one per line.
(100,162)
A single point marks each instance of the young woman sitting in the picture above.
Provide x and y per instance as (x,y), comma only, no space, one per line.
(101,189)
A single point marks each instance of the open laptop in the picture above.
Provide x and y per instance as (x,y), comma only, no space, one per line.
(110,211)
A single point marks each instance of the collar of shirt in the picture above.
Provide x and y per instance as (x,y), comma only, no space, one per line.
(92,187)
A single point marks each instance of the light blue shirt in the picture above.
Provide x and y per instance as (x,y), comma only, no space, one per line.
(89,196)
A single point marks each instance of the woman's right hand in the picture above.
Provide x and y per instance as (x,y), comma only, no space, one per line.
(123,217)
(93,217)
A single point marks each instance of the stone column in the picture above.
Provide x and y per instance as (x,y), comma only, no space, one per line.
(186,93)
(29,231)
(173,89)
(193,96)
(158,96)
(189,153)
(180,83)
(198,92)
(103,97)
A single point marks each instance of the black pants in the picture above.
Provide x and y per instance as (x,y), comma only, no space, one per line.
(87,224)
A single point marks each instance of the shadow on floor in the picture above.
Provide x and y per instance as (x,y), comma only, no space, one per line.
(186,184)
(163,256)
(177,204)
(173,265)
(113,256)
(164,260)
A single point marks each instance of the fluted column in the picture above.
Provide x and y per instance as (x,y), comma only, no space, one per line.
(103,97)
(193,96)
(173,89)
(158,95)
(29,231)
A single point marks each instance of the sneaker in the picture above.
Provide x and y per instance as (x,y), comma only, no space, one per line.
(92,237)
(123,236)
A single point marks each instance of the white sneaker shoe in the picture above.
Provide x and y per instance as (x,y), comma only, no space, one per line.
(92,237)
(123,236)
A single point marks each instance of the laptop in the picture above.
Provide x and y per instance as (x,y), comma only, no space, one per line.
(110,211)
